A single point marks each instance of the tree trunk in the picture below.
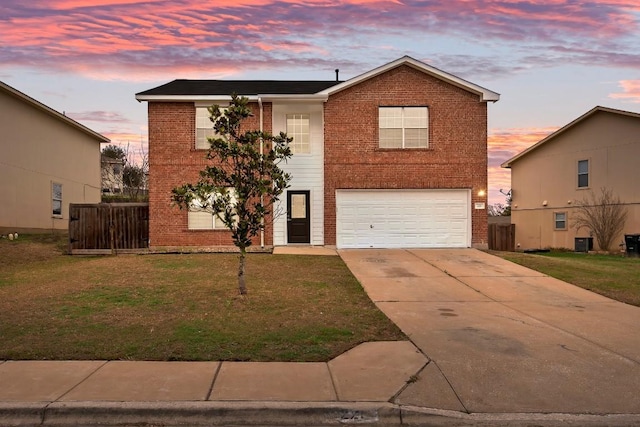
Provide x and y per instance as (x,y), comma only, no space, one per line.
(242,287)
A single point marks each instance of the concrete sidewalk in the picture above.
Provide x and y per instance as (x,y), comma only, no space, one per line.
(356,385)
(492,344)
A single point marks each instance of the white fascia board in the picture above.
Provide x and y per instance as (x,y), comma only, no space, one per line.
(486,95)
(227,98)
(295,98)
(186,98)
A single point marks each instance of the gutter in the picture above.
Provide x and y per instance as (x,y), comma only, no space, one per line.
(225,98)
(261,153)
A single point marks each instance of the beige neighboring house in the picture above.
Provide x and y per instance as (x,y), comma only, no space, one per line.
(599,149)
(112,171)
(47,161)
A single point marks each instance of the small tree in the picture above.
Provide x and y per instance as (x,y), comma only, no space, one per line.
(604,214)
(243,181)
(114,152)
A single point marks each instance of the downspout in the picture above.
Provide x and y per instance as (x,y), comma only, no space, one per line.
(261,153)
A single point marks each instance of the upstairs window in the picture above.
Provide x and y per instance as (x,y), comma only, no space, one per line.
(298,129)
(56,199)
(403,127)
(204,128)
(583,173)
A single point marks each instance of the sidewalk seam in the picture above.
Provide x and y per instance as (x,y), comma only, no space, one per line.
(81,382)
(333,381)
(213,381)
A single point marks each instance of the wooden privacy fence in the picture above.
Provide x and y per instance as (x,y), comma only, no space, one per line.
(502,237)
(108,228)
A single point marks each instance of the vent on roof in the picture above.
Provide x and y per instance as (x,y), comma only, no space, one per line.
(337,73)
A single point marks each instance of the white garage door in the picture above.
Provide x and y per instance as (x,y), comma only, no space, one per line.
(403,219)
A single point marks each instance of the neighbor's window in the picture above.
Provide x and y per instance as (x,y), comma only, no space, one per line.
(202,219)
(583,173)
(204,128)
(560,219)
(298,129)
(403,127)
(56,199)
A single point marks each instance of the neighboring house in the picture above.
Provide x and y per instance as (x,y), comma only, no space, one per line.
(395,157)
(47,161)
(599,149)
(112,172)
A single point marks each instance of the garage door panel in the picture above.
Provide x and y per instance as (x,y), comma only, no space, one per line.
(402,218)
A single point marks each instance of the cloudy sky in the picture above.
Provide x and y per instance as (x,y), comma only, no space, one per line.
(551,60)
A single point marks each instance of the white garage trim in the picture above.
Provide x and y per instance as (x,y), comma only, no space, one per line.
(403,218)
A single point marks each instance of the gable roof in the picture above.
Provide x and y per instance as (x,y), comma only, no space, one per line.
(563,129)
(50,111)
(485,94)
(193,90)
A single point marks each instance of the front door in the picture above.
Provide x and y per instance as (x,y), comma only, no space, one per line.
(298,217)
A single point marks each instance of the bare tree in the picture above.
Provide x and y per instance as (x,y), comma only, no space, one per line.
(604,214)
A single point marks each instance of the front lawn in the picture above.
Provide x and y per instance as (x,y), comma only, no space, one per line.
(179,307)
(614,276)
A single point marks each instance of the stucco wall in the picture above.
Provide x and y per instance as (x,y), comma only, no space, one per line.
(457,153)
(548,174)
(37,149)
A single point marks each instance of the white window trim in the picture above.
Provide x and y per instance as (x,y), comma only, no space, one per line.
(555,221)
(215,220)
(54,199)
(588,174)
(404,128)
(209,132)
(291,134)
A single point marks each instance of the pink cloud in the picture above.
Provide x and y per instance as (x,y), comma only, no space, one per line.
(99,116)
(69,34)
(503,144)
(630,91)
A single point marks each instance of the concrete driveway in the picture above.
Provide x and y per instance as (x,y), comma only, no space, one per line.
(502,338)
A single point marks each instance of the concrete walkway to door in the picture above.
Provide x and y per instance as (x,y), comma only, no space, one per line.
(502,338)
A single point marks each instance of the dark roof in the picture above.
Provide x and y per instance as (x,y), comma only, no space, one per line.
(240,87)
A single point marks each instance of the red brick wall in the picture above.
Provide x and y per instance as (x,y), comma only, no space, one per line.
(173,161)
(457,153)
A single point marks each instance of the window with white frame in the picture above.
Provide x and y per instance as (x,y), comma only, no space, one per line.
(56,199)
(583,173)
(403,127)
(560,220)
(202,218)
(204,128)
(298,129)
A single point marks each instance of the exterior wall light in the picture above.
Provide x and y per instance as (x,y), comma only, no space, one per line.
(544,203)
(481,193)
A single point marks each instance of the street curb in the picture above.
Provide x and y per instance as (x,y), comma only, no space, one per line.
(201,413)
(209,413)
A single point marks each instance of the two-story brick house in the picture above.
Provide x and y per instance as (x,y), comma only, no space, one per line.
(395,157)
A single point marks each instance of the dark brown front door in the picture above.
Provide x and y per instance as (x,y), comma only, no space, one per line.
(298,217)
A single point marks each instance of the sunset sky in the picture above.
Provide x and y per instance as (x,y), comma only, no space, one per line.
(551,60)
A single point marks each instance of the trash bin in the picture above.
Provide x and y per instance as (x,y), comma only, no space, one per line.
(632,243)
(583,244)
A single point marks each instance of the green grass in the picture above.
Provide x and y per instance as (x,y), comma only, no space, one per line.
(179,307)
(614,276)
